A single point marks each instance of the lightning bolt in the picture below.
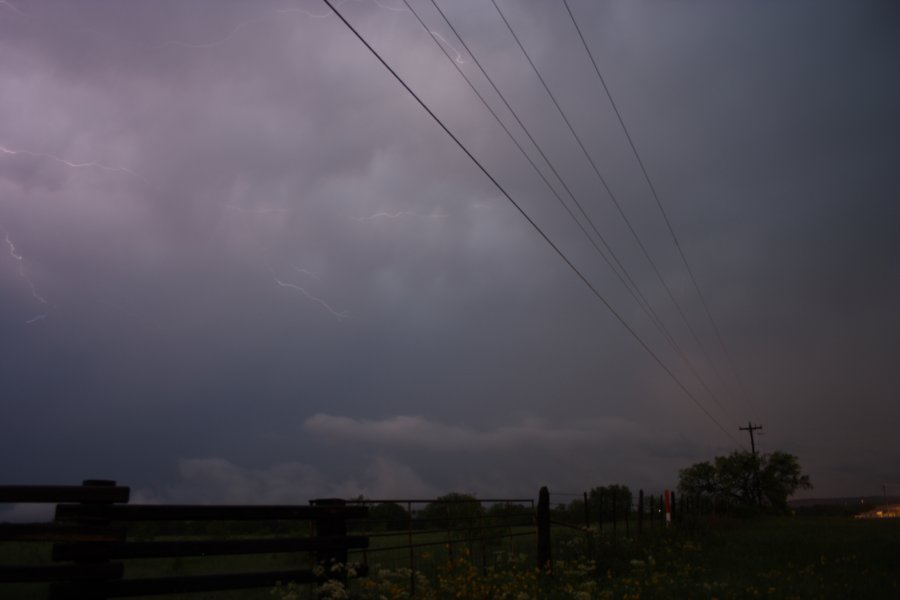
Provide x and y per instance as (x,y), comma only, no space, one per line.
(12,249)
(237,28)
(308,273)
(458,59)
(385,7)
(72,164)
(12,7)
(35,319)
(22,273)
(340,316)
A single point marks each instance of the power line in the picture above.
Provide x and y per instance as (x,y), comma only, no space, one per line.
(624,272)
(526,155)
(667,221)
(533,224)
(609,191)
(633,288)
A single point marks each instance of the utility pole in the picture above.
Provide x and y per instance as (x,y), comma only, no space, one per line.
(751,428)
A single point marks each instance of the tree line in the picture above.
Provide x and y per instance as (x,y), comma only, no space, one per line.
(739,483)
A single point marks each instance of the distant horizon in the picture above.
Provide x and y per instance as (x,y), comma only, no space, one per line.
(26,513)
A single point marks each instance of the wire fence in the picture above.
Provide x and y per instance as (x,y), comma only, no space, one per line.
(424,535)
(421,537)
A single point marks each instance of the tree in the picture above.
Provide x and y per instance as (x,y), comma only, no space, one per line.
(743,480)
(462,514)
(571,513)
(505,513)
(388,516)
(779,477)
(609,502)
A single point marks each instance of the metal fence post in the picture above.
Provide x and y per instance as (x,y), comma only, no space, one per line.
(640,514)
(412,552)
(587,512)
(544,560)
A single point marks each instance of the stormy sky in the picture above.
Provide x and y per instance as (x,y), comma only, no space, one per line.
(239,262)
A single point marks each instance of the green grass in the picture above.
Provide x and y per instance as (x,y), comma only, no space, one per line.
(780,558)
(756,558)
(436,552)
(799,558)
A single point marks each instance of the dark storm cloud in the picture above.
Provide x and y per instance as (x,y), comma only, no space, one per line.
(253,244)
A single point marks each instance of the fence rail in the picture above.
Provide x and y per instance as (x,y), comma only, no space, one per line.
(90,538)
(95,530)
(91,491)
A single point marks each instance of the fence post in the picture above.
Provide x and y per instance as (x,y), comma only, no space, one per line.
(334,525)
(545,561)
(600,511)
(365,552)
(587,512)
(92,590)
(449,534)
(412,552)
(674,508)
(640,515)
(615,513)
(667,508)
(483,535)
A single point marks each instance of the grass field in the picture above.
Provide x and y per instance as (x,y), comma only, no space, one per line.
(758,558)
(783,558)
(778,558)
(804,558)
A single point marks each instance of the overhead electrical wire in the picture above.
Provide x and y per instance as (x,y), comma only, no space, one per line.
(531,221)
(634,290)
(528,157)
(610,193)
(667,221)
(623,276)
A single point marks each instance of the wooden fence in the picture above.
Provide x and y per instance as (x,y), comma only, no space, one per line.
(95,529)
(90,538)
